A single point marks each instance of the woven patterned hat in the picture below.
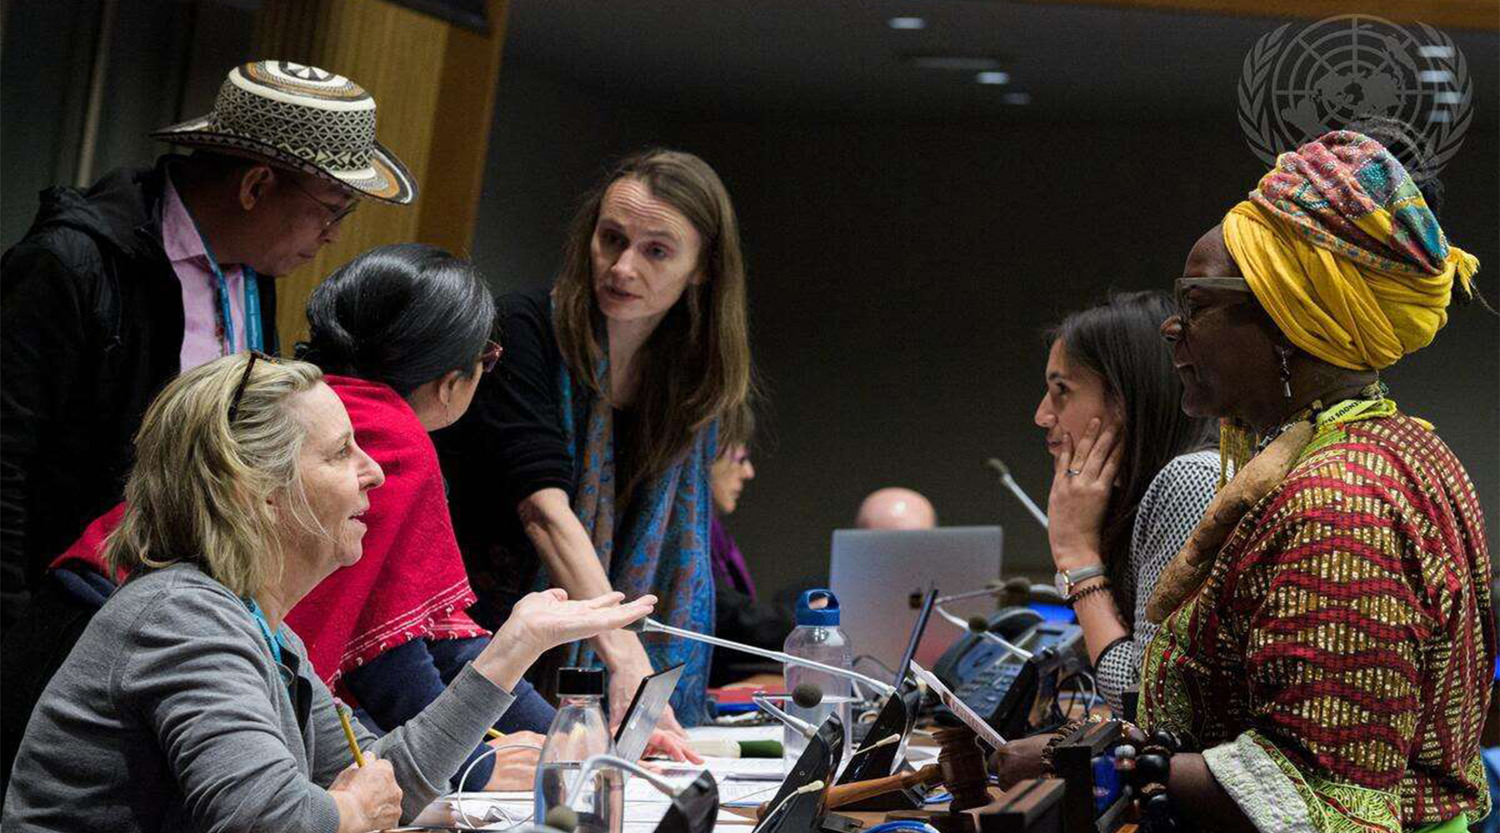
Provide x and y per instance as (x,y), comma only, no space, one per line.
(302,117)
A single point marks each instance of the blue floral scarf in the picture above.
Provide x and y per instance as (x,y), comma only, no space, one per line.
(663,546)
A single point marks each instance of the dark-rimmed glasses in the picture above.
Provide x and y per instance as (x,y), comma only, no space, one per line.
(1180,291)
(335,215)
(491,355)
(239,390)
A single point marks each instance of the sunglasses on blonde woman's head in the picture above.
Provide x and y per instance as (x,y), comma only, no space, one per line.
(239,390)
(491,355)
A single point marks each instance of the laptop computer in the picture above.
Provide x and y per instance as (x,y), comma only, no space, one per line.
(880,576)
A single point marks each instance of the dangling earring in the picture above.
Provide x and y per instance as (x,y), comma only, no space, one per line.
(1286,371)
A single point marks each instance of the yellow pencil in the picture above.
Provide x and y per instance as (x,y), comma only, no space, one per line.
(359,757)
(493,733)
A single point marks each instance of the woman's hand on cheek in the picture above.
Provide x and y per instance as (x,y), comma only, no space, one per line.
(1083,478)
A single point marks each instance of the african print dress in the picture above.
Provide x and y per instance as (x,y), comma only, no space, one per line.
(1336,663)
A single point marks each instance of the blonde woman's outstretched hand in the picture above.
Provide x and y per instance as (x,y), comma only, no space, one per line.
(544,620)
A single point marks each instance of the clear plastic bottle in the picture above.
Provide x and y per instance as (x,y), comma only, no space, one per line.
(817,637)
(578,732)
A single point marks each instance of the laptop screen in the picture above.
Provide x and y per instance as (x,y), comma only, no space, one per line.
(640,721)
(916,635)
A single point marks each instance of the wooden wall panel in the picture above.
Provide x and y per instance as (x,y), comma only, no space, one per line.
(465,113)
(432,82)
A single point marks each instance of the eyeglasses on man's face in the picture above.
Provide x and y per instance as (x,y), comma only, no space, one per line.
(336,213)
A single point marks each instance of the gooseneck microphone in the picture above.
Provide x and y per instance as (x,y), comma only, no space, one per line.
(694,807)
(649,625)
(1018,588)
(999,467)
(807,696)
(980,626)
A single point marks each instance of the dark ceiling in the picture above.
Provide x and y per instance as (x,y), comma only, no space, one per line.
(839,58)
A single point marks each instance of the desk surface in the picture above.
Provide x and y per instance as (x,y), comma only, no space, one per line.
(644,805)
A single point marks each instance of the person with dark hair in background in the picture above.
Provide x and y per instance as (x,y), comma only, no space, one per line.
(154,271)
(1132,474)
(739,612)
(584,462)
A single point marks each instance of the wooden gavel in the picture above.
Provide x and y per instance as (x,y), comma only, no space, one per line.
(960,767)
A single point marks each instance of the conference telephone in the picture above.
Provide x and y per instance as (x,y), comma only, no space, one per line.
(1013,694)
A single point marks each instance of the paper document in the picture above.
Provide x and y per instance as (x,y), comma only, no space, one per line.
(959,708)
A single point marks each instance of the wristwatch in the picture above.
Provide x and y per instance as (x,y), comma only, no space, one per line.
(1066,580)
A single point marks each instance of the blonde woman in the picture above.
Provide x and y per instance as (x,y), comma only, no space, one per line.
(188,704)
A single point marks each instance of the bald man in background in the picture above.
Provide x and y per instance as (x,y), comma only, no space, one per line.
(896,508)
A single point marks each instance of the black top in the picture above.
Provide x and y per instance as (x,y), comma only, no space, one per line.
(509,446)
(90,331)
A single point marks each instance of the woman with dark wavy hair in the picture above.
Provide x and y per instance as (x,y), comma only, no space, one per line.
(1132,473)
(584,463)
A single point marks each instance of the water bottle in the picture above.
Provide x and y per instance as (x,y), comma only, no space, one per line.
(817,637)
(579,731)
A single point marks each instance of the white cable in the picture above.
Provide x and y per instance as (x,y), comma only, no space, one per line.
(809,787)
(885,741)
(1093,691)
(460,794)
(593,762)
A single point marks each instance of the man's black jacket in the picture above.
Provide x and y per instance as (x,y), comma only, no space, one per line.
(90,330)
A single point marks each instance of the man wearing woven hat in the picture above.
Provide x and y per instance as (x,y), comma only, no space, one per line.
(153,271)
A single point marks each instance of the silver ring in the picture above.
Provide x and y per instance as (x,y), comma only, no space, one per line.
(1072,472)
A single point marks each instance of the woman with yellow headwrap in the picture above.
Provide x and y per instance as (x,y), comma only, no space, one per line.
(1328,641)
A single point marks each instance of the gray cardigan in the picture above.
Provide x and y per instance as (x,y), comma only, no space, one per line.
(170,714)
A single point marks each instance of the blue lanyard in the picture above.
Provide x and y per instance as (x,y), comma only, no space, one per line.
(265,629)
(253,338)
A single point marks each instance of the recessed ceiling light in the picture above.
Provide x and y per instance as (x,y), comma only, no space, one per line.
(966,63)
(993,77)
(1016,98)
(907,23)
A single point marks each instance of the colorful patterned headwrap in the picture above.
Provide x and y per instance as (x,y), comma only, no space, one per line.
(1341,249)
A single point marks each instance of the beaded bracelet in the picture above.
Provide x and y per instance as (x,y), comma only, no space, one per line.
(1147,773)
(1062,734)
(1087,591)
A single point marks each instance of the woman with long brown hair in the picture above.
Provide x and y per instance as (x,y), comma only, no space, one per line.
(1132,474)
(584,462)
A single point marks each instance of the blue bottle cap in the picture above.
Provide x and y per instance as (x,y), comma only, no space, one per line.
(826,616)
